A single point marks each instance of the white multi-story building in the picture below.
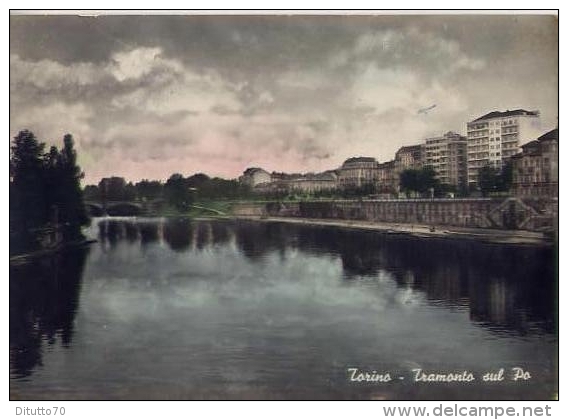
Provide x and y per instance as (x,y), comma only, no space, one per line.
(495,137)
(447,155)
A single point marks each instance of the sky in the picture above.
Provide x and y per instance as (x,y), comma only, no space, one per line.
(148,96)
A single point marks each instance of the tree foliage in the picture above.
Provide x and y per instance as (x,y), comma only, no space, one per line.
(420,181)
(177,192)
(493,180)
(44,188)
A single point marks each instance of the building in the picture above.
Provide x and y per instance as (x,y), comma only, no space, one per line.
(283,183)
(311,183)
(255,176)
(358,171)
(535,169)
(387,178)
(496,136)
(447,155)
(408,157)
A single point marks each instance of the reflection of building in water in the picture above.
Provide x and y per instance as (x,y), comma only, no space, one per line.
(499,302)
(445,283)
(44,298)
(495,283)
(493,301)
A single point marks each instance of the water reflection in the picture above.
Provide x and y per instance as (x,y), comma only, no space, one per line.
(226,305)
(496,283)
(44,296)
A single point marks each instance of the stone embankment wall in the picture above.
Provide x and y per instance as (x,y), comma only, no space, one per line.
(507,213)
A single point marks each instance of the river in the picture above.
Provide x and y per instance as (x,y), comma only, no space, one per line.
(179,309)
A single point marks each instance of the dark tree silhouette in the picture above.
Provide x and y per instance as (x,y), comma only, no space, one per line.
(419,180)
(177,193)
(28,200)
(70,200)
(44,189)
(488,178)
(149,190)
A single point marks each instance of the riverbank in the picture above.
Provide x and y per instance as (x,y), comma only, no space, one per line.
(517,237)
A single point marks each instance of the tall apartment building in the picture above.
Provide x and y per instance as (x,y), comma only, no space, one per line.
(447,155)
(495,137)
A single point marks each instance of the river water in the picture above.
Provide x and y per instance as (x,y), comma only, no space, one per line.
(179,309)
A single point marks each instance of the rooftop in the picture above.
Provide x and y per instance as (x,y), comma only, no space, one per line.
(507,113)
(360,159)
(410,149)
(530,144)
(551,135)
(250,171)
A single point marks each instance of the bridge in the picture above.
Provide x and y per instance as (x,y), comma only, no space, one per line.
(122,208)
(134,208)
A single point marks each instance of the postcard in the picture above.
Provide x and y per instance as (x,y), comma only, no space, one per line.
(284,206)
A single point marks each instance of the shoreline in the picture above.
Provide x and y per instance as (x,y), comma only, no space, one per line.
(512,237)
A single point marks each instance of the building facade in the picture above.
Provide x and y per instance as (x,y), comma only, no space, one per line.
(447,155)
(388,180)
(495,137)
(535,169)
(409,157)
(358,171)
(311,183)
(255,176)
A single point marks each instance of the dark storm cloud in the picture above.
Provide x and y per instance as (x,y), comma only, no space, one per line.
(290,92)
(265,43)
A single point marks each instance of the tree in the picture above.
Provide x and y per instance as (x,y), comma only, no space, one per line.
(409,180)
(506,177)
(427,180)
(91,192)
(129,192)
(28,207)
(70,201)
(149,190)
(112,189)
(44,189)
(177,193)
(487,179)
(197,180)
(419,180)
(494,180)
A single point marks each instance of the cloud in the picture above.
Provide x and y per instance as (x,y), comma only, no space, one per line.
(149,96)
(424,51)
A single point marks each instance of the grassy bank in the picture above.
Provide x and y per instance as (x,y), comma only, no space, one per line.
(199,209)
